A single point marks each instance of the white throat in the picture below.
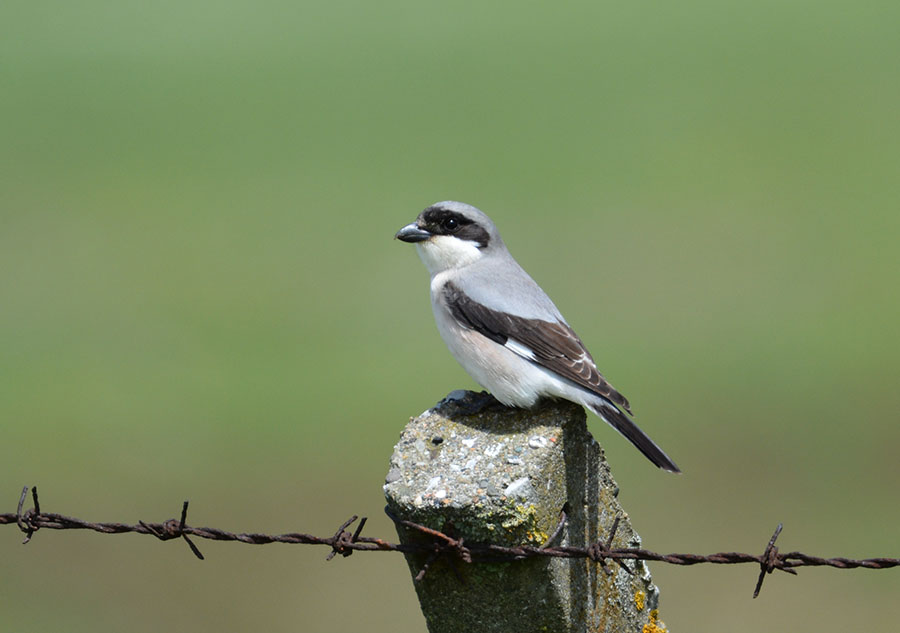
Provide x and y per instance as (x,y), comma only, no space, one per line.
(440,253)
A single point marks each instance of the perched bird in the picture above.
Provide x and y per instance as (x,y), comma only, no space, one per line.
(503,329)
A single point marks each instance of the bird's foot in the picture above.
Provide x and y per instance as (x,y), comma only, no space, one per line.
(478,403)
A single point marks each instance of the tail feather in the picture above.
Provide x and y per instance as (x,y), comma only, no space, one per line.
(620,422)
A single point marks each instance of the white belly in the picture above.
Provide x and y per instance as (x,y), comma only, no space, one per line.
(511,379)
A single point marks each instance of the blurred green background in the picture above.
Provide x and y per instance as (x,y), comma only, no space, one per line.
(200,297)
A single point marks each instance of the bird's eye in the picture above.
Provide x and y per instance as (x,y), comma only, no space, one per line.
(450,224)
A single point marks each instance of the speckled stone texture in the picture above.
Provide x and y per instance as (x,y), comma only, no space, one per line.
(502,476)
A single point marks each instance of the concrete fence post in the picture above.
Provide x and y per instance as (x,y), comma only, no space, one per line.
(502,476)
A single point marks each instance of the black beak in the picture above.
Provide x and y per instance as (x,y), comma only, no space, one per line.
(412,233)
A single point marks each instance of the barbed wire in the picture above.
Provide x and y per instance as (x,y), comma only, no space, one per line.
(436,544)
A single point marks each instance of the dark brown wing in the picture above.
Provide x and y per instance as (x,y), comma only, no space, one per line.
(549,344)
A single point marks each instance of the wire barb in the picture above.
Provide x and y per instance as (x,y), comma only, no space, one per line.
(342,539)
(563,517)
(27,521)
(173,529)
(770,561)
(442,544)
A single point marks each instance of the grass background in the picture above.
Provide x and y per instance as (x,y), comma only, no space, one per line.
(200,297)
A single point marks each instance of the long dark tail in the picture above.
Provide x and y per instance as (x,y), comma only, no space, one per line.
(620,422)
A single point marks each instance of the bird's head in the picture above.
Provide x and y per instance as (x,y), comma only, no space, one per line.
(451,235)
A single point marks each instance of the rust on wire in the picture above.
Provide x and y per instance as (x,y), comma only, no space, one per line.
(436,544)
(341,541)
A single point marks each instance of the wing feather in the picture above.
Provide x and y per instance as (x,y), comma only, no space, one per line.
(554,345)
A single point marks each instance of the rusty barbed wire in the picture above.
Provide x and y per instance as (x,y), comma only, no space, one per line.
(435,544)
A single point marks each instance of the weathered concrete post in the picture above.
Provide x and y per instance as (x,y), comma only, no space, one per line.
(502,476)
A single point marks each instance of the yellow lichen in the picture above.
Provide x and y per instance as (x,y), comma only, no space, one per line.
(639,598)
(536,536)
(655,625)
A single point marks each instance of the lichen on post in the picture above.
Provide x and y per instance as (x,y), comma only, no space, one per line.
(502,476)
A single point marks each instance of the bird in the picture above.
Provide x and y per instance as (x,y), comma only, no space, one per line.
(503,328)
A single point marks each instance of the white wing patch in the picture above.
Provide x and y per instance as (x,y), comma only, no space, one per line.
(519,349)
